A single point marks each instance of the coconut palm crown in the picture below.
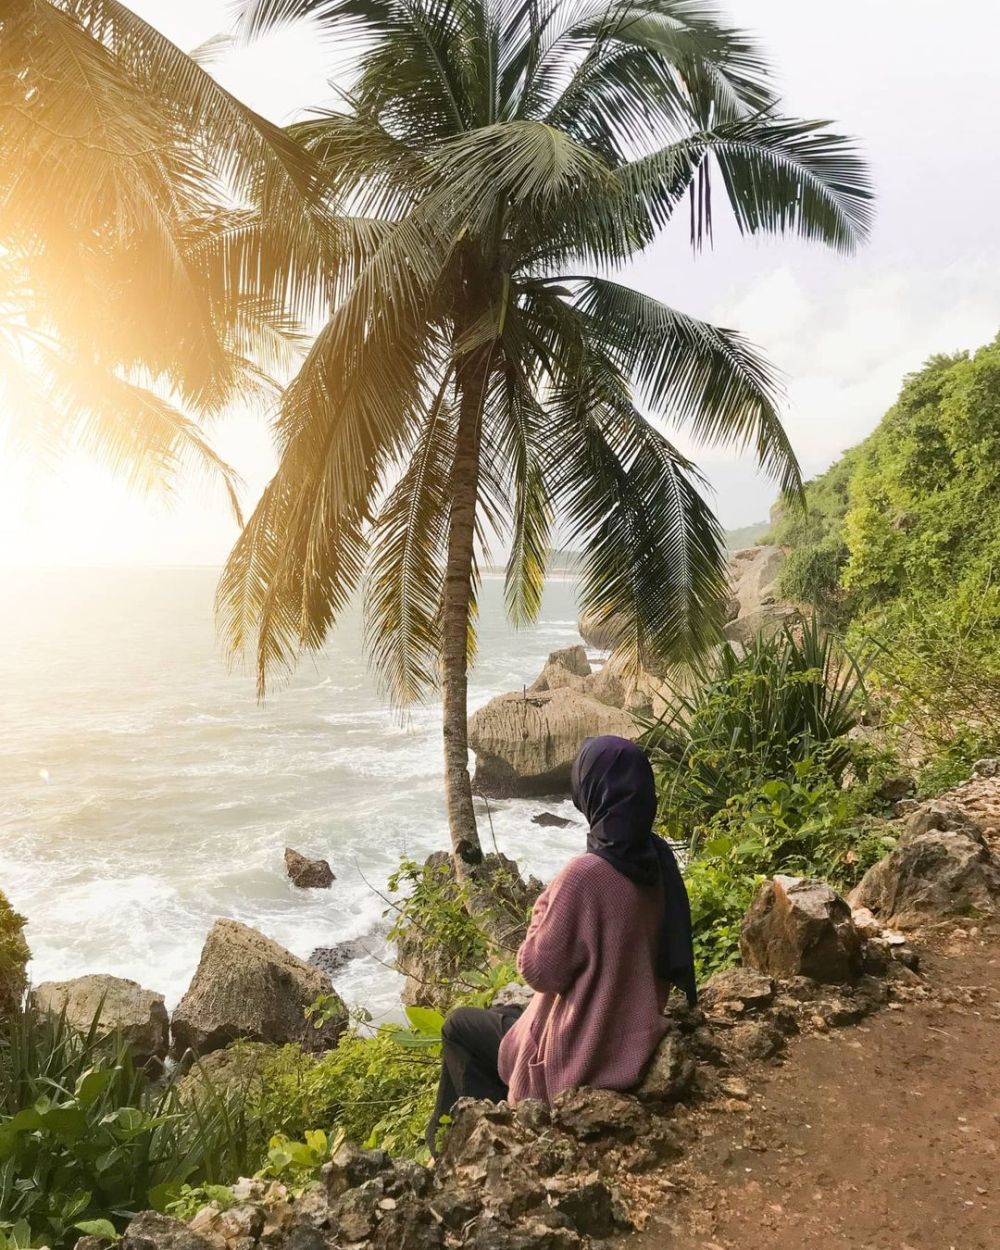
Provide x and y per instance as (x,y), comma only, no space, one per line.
(481,372)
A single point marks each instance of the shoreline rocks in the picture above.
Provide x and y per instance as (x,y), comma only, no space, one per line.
(308,874)
(247,986)
(116,1005)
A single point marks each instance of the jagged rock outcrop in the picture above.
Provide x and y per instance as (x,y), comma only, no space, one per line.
(755,604)
(566,667)
(119,1005)
(797,927)
(943,866)
(501,900)
(308,874)
(525,744)
(250,987)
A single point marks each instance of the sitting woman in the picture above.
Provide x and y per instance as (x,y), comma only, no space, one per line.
(607,939)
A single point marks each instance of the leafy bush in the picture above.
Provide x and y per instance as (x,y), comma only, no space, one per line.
(14,956)
(84,1137)
(805,827)
(752,716)
(377,1090)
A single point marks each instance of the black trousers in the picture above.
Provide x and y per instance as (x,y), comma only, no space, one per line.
(470,1046)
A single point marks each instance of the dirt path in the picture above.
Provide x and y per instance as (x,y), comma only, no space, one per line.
(885,1136)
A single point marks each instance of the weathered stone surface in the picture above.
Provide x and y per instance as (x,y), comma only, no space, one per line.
(929,875)
(235,1069)
(513,994)
(408,1226)
(942,816)
(589,1113)
(752,1042)
(601,635)
(350,1166)
(797,927)
(737,991)
(526,744)
(248,986)
(755,603)
(138,1015)
(501,900)
(668,1077)
(896,789)
(357,1210)
(308,874)
(566,668)
(152,1231)
(588,1206)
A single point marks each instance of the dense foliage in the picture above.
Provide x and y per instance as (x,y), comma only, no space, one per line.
(901,546)
(86,1137)
(14,955)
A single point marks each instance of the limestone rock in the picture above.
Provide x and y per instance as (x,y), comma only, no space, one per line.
(514,994)
(122,1005)
(351,1167)
(798,927)
(737,991)
(526,744)
(567,667)
(308,874)
(930,875)
(756,605)
(235,1069)
(670,1072)
(942,816)
(589,1113)
(248,986)
(601,635)
(152,1231)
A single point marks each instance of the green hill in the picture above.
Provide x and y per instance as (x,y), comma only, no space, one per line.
(900,544)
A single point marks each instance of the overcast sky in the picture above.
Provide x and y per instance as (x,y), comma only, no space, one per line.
(915,80)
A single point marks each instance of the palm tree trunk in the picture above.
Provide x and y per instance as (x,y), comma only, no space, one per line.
(455,618)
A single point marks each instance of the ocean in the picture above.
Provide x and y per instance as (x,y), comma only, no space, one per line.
(144,791)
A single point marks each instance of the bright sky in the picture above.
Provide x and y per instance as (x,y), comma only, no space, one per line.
(914,79)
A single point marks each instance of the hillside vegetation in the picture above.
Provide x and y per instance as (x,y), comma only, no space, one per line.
(900,549)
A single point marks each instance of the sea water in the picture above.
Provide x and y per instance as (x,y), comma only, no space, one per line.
(144,790)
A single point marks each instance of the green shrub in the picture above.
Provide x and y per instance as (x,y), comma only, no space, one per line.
(14,956)
(752,716)
(806,827)
(84,1137)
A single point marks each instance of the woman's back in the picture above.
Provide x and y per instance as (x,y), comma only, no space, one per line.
(591,954)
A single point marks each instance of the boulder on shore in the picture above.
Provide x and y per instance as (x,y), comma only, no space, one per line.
(567,667)
(525,744)
(797,927)
(248,986)
(943,866)
(118,1005)
(308,874)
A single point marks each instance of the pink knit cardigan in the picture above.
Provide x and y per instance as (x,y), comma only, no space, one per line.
(590,953)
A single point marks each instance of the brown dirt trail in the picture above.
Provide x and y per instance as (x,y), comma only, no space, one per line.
(885,1136)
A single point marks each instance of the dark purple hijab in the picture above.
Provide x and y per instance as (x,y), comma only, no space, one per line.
(614,789)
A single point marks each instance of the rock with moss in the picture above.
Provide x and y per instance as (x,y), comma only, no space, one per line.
(14,956)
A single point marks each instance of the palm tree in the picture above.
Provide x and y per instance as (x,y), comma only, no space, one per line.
(126,170)
(480,372)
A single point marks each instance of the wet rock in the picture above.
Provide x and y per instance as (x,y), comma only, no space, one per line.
(549,820)
(351,1166)
(152,1231)
(333,959)
(933,874)
(797,927)
(247,986)
(668,1077)
(308,874)
(120,1006)
(738,991)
